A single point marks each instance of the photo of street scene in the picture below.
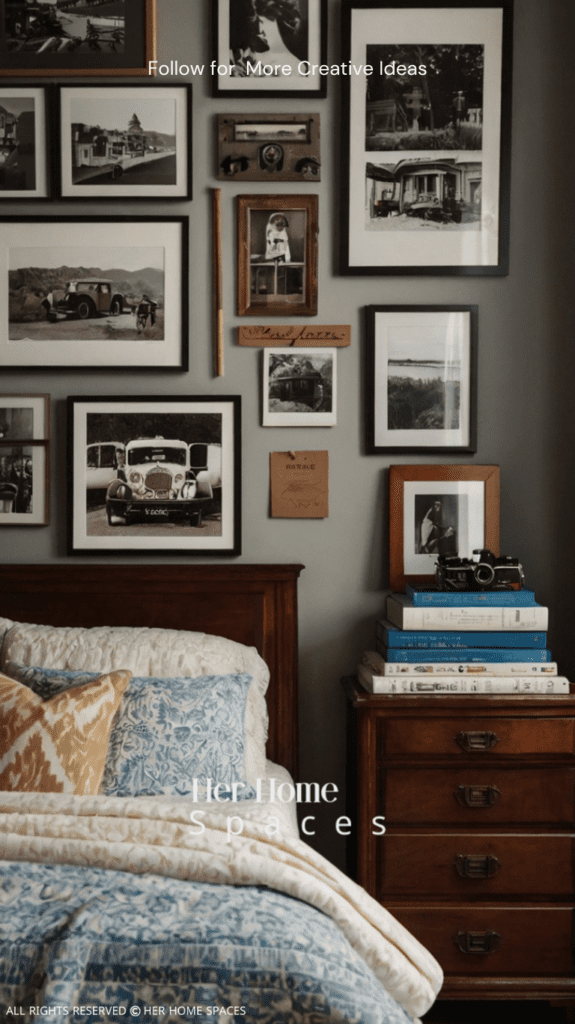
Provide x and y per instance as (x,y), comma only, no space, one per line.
(423,380)
(17,142)
(64,26)
(424,193)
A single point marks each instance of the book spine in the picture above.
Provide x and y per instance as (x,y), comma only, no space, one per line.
(470,598)
(472,668)
(534,617)
(417,639)
(478,655)
(382,684)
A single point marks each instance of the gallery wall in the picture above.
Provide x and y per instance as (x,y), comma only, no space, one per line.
(525,419)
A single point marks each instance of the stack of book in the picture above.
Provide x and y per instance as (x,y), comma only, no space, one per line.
(436,641)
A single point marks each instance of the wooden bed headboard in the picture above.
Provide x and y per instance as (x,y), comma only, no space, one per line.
(253,604)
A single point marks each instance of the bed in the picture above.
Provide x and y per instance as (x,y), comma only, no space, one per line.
(140,896)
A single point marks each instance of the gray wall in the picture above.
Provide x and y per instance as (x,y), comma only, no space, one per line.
(525,376)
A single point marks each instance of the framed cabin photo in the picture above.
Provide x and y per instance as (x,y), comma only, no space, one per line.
(426,154)
(77,37)
(125,142)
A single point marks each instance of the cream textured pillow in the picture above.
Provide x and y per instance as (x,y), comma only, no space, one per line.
(58,745)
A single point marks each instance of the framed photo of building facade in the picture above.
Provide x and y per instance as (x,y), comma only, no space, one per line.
(155,475)
(77,37)
(439,510)
(421,380)
(277,255)
(427,137)
(24,169)
(128,309)
(125,142)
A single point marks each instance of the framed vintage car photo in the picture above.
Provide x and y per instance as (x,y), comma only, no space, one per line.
(24,166)
(128,309)
(155,475)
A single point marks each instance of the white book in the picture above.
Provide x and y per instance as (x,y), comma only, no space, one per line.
(467,668)
(401,612)
(496,684)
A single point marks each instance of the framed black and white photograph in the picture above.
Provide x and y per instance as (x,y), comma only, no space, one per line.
(277,255)
(125,142)
(427,138)
(24,170)
(264,147)
(24,418)
(77,37)
(269,48)
(94,291)
(421,379)
(24,480)
(439,510)
(299,387)
(155,475)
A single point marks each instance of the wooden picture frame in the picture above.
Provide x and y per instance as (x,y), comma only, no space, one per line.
(439,510)
(73,40)
(277,255)
(421,379)
(427,136)
(24,120)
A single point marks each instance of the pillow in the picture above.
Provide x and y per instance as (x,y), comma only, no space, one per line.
(162,653)
(59,745)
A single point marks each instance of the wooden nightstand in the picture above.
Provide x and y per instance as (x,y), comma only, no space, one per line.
(478,857)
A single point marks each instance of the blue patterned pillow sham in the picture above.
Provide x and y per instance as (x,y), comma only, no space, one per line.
(168,733)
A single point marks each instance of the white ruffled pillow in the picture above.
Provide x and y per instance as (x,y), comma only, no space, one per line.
(147,652)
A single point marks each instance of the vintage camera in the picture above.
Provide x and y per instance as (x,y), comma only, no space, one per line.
(488,572)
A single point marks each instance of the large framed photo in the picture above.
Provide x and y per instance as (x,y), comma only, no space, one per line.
(439,510)
(125,142)
(94,292)
(77,37)
(24,143)
(421,379)
(155,475)
(427,118)
(277,255)
(299,387)
(269,48)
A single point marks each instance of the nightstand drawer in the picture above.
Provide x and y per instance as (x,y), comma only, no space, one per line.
(459,865)
(472,796)
(494,940)
(463,736)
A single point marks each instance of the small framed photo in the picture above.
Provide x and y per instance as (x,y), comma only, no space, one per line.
(299,387)
(155,475)
(24,484)
(24,143)
(265,48)
(125,142)
(24,418)
(426,155)
(77,37)
(421,379)
(94,292)
(268,147)
(277,255)
(439,510)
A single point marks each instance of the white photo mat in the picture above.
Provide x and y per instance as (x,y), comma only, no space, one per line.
(38,514)
(299,419)
(38,405)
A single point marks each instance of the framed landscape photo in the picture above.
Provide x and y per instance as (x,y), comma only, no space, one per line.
(299,387)
(125,142)
(77,37)
(427,130)
(24,172)
(155,475)
(94,292)
(24,418)
(277,255)
(421,380)
(439,510)
(265,48)
(24,484)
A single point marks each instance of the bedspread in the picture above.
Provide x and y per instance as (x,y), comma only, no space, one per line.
(69,896)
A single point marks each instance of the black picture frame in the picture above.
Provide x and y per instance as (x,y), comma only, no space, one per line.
(194,440)
(405,163)
(421,368)
(25,174)
(284,85)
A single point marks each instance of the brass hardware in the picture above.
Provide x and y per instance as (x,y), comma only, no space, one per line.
(476,865)
(477,796)
(472,741)
(477,942)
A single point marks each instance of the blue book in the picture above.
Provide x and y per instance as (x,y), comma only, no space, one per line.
(422,596)
(481,654)
(417,639)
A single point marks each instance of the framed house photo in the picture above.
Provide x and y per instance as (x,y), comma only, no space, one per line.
(77,37)
(125,142)
(155,475)
(264,48)
(439,510)
(94,292)
(277,255)
(299,387)
(24,418)
(426,155)
(421,381)
(24,164)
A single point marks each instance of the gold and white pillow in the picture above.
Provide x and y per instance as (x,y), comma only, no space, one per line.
(58,745)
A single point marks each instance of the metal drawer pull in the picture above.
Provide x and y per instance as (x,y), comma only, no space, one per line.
(471,741)
(477,796)
(477,942)
(477,865)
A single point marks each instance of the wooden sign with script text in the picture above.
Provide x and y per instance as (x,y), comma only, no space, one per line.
(284,335)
